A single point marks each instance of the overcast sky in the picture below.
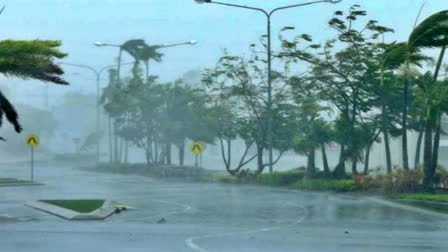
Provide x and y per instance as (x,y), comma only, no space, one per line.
(79,23)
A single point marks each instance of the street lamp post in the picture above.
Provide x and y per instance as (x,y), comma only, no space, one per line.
(97,74)
(101,44)
(268,15)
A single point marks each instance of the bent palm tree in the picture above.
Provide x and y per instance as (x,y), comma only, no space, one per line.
(140,51)
(28,60)
(431,33)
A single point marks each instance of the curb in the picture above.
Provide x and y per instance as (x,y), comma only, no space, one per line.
(407,207)
(21,184)
(99,214)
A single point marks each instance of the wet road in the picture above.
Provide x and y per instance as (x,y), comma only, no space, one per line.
(207,217)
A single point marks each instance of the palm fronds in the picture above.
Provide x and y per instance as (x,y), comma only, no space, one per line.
(10,112)
(432,32)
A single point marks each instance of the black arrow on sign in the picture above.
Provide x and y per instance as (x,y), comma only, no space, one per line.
(32,139)
(197,146)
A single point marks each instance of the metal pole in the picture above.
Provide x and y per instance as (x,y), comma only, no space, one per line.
(269,131)
(32,164)
(269,91)
(97,118)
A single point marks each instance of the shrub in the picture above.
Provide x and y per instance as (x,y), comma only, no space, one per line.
(399,181)
(441,177)
(229,179)
(366,183)
(280,178)
(343,185)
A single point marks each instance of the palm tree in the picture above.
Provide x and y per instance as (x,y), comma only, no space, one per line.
(431,33)
(402,55)
(150,53)
(140,51)
(28,60)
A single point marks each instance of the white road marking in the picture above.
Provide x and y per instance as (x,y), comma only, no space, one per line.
(191,244)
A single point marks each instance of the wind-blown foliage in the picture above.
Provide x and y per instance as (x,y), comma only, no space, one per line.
(28,60)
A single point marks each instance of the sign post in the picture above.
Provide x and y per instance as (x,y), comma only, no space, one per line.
(197,148)
(32,141)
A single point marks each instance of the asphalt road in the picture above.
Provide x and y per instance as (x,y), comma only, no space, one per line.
(206,217)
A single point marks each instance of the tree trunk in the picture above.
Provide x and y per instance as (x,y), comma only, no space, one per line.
(147,69)
(387,148)
(325,160)
(147,151)
(418,149)
(427,154)
(168,153)
(260,159)
(156,151)
(111,155)
(311,166)
(367,160)
(404,142)
(339,170)
(354,167)
(120,150)
(181,148)
(435,149)
(115,142)
(384,122)
(126,151)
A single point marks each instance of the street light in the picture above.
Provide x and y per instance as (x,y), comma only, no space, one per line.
(268,15)
(97,74)
(102,44)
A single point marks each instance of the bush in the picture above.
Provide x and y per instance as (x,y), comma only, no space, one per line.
(229,179)
(399,181)
(280,178)
(441,177)
(366,183)
(343,185)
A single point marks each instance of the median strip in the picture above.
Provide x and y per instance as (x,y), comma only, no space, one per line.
(76,209)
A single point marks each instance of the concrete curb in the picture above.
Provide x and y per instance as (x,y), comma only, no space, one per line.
(99,214)
(21,184)
(407,207)
(424,203)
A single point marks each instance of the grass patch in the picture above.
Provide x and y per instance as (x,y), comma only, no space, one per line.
(5,181)
(443,198)
(82,206)
(344,185)
(229,179)
(280,178)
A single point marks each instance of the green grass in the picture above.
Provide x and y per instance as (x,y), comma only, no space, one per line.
(280,178)
(82,206)
(229,179)
(11,181)
(343,185)
(423,196)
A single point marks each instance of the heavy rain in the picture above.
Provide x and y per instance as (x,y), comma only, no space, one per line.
(228,125)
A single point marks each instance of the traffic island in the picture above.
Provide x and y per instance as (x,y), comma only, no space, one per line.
(16,182)
(84,209)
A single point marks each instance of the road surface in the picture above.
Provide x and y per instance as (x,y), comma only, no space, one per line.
(206,217)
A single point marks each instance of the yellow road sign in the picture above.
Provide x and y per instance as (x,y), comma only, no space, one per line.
(197,148)
(32,140)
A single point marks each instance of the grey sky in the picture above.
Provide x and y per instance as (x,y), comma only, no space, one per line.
(79,23)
